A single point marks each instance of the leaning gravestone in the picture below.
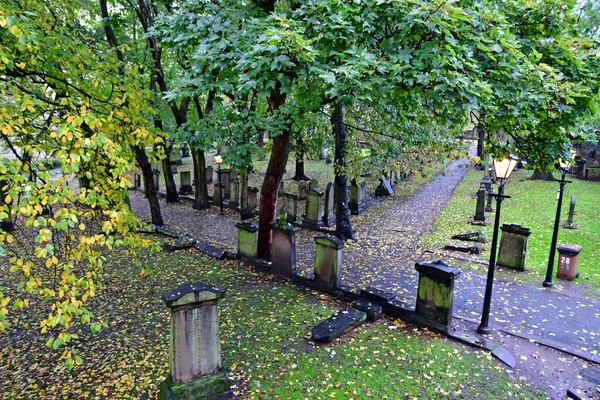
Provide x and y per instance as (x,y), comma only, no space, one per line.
(357,202)
(314,210)
(513,246)
(283,259)
(384,188)
(329,214)
(290,203)
(435,294)
(195,348)
(328,262)
(569,223)
(479,217)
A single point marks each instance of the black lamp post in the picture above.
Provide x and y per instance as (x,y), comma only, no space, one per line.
(502,169)
(219,161)
(563,166)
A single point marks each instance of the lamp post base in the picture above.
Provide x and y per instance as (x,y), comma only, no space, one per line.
(547,284)
(484,330)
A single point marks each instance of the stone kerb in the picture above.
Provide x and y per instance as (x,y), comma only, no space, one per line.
(513,246)
(247,242)
(328,262)
(195,348)
(283,258)
(435,294)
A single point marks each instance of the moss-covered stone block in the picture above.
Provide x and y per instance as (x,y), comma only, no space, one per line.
(206,387)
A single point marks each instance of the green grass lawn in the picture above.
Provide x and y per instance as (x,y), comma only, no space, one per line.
(532,204)
(265,323)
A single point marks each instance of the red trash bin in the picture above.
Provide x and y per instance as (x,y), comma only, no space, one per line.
(568,259)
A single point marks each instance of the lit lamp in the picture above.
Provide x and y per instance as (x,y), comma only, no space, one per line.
(219,161)
(502,169)
(563,165)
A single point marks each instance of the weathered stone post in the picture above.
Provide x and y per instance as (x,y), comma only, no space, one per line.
(570,224)
(283,258)
(247,242)
(290,203)
(581,168)
(479,217)
(252,198)
(217,193)
(195,348)
(302,191)
(225,181)
(209,171)
(156,179)
(314,209)
(328,262)
(329,214)
(357,202)
(490,197)
(435,294)
(137,180)
(234,189)
(513,246)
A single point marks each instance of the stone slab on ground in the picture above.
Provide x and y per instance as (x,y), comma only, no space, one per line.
(465,248)
(184,242)
(398,309)
(165,230)
(209,250)
(376,296)
(374,311)
(336,325)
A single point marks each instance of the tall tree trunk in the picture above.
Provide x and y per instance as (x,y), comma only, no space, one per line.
(201,190)
(273,176)
(343,227)
(541,175)
(172,195)
(300,175)
(149,188)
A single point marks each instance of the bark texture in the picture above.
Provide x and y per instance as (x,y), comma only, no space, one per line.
(343,227)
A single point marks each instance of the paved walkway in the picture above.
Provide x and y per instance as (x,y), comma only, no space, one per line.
(384,255)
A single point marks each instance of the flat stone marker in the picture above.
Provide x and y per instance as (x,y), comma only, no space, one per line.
(376,296)
(435,294)
(336,325)
(184,242)
(465,248)
(212,251)
(374,311)
(195,348)
(473,236)
(512,252)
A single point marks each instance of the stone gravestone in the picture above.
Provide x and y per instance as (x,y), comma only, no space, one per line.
(252,198)
(479,217)
(156,179)
(328,262)
(314,210)
(314,184)
(234,174)
(392,177)
(217,194)
(329,214)
(513,246)
(283,259)
(195,347)
(357,202)
(384,188)
(290,203)
(435,294)
(234,189)
(581,168)
(209,171)
(137,180)
(473,236)
(302,187)
(247,242)
(225,181)
(175,156)
(185,187)
(570,224)
(490,197)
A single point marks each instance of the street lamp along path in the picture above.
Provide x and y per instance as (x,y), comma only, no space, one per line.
(502,170)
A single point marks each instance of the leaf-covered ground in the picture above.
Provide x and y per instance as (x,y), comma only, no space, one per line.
(264,325)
